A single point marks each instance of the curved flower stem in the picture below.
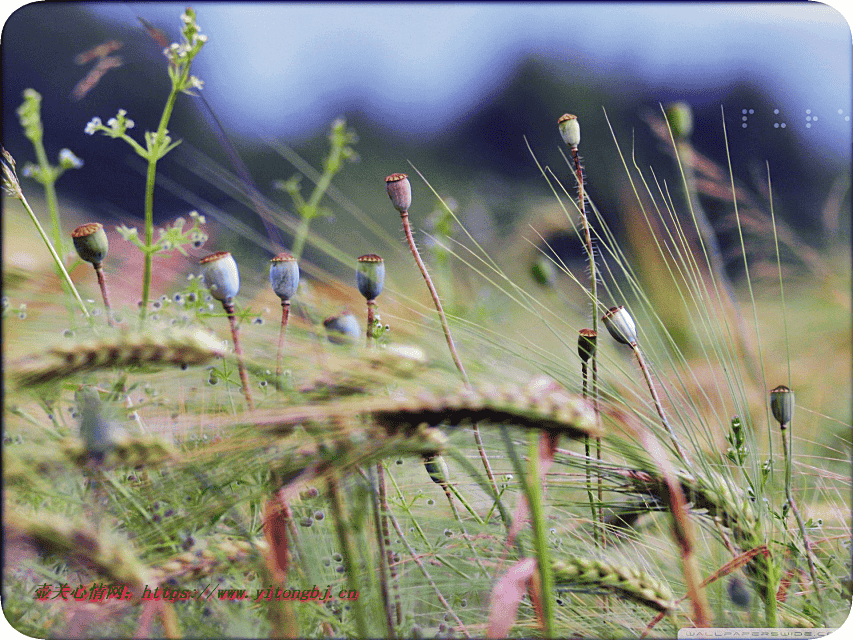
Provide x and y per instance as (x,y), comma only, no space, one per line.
(241,367)
(450,345)
(682,454)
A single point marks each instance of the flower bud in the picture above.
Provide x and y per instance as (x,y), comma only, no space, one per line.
(587,339)
(284,276)
(621,326)
(221,275)
(90,241)
(680,118)
(782,404)
(570,129)
(543,272)
(370,277)
(400,191)
(436,467)
(342,329)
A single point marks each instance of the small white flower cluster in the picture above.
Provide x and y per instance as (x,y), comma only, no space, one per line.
(181,54)
(115,126)
(93,125)
(195,214)
(67,159)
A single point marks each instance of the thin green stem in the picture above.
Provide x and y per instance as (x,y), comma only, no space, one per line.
(533,492)
(154,154)
(787,434)
(348,552)
(56,259)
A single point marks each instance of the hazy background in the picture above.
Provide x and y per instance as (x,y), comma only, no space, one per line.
(453,88)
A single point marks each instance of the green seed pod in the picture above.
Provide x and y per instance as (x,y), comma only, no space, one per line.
(621,325)
(400,191)
(680,118)
(90,241)
(221,275)
(436,467)
(587,339)
(782,404)
(543,272)
(570,129)
(284,275)
(370,277)
(342,329)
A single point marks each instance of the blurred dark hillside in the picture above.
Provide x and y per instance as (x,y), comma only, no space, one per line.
(482,158)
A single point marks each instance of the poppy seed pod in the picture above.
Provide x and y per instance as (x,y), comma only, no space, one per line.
(370,277)
(680,118)
(587,339)
(436,467)
(342,329)
(621,326)
(782,404)
(570,129)
(90,241)
(221,275)
(400,191)
(284,275)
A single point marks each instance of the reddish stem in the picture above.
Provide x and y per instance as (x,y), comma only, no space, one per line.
(102,282)
(285,314)
(244,378)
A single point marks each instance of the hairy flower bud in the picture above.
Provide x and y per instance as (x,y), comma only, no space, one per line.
(284,275)
(436,467)
(221,275)
(91,243)
(370,277)
(400,191)
(342,329)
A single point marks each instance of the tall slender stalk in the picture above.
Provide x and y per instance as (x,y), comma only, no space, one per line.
(400,191)
(570,131)
(13,188)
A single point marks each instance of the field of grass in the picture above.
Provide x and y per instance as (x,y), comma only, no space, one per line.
(518,484)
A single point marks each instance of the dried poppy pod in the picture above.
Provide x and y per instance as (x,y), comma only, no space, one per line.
(621,325)
(370,276)
(570,129)
(91,243)
(221,275)
(284,275)
(400,191)
(587,339)
(782,405)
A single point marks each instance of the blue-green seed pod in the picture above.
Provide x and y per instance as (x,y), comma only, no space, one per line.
(782,404)
(570,129)
(91,243)
(221,275)
(370,277)
(621,325)
(98,432)
(284,275)
(400,191)
(342,329)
